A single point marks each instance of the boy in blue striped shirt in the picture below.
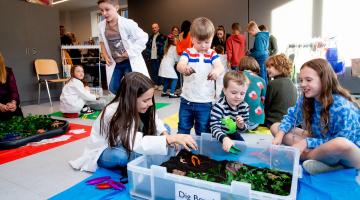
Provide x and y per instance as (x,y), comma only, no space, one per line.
(230,115)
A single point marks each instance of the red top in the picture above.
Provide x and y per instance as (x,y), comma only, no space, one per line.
(183,44)
(235,49)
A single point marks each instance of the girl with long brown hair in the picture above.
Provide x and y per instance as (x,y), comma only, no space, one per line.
(330,117)
(129,126)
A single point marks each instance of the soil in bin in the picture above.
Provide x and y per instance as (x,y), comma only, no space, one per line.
(224,172)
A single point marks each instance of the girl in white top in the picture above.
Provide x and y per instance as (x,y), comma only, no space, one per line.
(121,42)
(75,94)
(128,126)
(167,67)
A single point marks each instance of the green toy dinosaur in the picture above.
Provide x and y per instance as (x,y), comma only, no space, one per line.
(229,124)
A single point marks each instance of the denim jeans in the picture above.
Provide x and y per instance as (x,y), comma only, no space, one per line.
(190,113)
(121,69)
(114,157)
(154,71)
(263,71)
(172,85)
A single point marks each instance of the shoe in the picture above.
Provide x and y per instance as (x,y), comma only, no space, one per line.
(171,96)
(87,110)
(316,167)
(164,94)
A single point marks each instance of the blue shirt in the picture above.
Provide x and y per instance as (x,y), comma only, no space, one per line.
(344,121)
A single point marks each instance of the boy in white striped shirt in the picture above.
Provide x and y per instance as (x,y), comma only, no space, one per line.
(230,115)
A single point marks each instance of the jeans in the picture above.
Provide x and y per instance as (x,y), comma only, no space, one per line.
(190,113)
(172,85)
(154,71)
(263,72)
(121,69)
(114,157)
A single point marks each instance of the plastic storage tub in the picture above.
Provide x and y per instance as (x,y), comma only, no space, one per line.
(148,180)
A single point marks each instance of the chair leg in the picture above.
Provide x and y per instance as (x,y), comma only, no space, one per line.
(39,90)
(47,87)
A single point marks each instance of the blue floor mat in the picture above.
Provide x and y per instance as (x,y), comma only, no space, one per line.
(339,184)
(83,191)
(333,185)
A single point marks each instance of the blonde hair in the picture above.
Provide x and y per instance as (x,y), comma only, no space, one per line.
(281,63)
(249,63)
(202,29)
(251,25)
(2,70)
(236,76)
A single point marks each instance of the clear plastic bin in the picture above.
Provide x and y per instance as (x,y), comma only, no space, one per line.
(148,180)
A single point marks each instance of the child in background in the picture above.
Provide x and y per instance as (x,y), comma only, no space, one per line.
(167,67)
(231,107)
(281,93)
(75,94)
(331,117)
(235,47)
(255,95)
(260,48)
(201,66)
(219,49)
(184,38)
(122,43)
(128,126)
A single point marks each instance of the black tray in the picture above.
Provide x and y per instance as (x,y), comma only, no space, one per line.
(35,138)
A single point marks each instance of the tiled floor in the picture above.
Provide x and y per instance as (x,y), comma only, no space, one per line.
(45,174)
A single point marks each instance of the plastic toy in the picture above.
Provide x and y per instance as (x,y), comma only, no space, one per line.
(229,124)
(234,149)
(105,182)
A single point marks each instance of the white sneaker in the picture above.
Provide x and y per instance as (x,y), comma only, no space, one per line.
(316,167)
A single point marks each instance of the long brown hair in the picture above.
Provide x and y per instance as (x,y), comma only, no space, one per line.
(330,85)
(126,119)
(2,70)
(72,73)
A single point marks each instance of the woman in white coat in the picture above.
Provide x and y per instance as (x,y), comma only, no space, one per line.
(75,94)
(128,126)
(121,42)
(167,67)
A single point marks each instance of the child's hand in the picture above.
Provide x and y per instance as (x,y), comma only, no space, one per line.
(125,55)
(188,71)
(278,138)
(213,75)
(185,140)
(108,61)
(227,144)
(240,122)
(11,106)
(3,108)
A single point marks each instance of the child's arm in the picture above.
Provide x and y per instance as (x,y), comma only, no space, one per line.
(217,69)
(182,66)
(242,120)
(138,38)
(105,54)
(82,92)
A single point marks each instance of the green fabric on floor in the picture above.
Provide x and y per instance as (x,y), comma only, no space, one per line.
(94,115)
(161,105)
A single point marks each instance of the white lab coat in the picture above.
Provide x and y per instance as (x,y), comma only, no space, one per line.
(134,40)
(149,145)
(167,65)
(74,96)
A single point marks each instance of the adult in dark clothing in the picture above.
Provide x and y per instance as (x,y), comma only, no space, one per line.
(219,38)
(273,48)
(9,96)
(155,52)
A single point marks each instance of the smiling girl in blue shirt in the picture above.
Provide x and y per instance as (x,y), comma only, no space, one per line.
(330,118)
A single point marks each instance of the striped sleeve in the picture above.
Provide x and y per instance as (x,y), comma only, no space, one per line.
(244,110)
(214,56)
(215,122)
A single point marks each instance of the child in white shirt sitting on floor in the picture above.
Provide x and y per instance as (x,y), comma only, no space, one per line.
(75,94)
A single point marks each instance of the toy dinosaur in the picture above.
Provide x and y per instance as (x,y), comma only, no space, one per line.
(229,124)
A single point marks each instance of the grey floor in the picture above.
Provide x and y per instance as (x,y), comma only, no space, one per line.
(48,173)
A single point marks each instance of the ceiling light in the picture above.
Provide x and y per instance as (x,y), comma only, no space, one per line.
(57,2)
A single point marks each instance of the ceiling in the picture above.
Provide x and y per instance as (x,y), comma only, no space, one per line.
(75,4)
